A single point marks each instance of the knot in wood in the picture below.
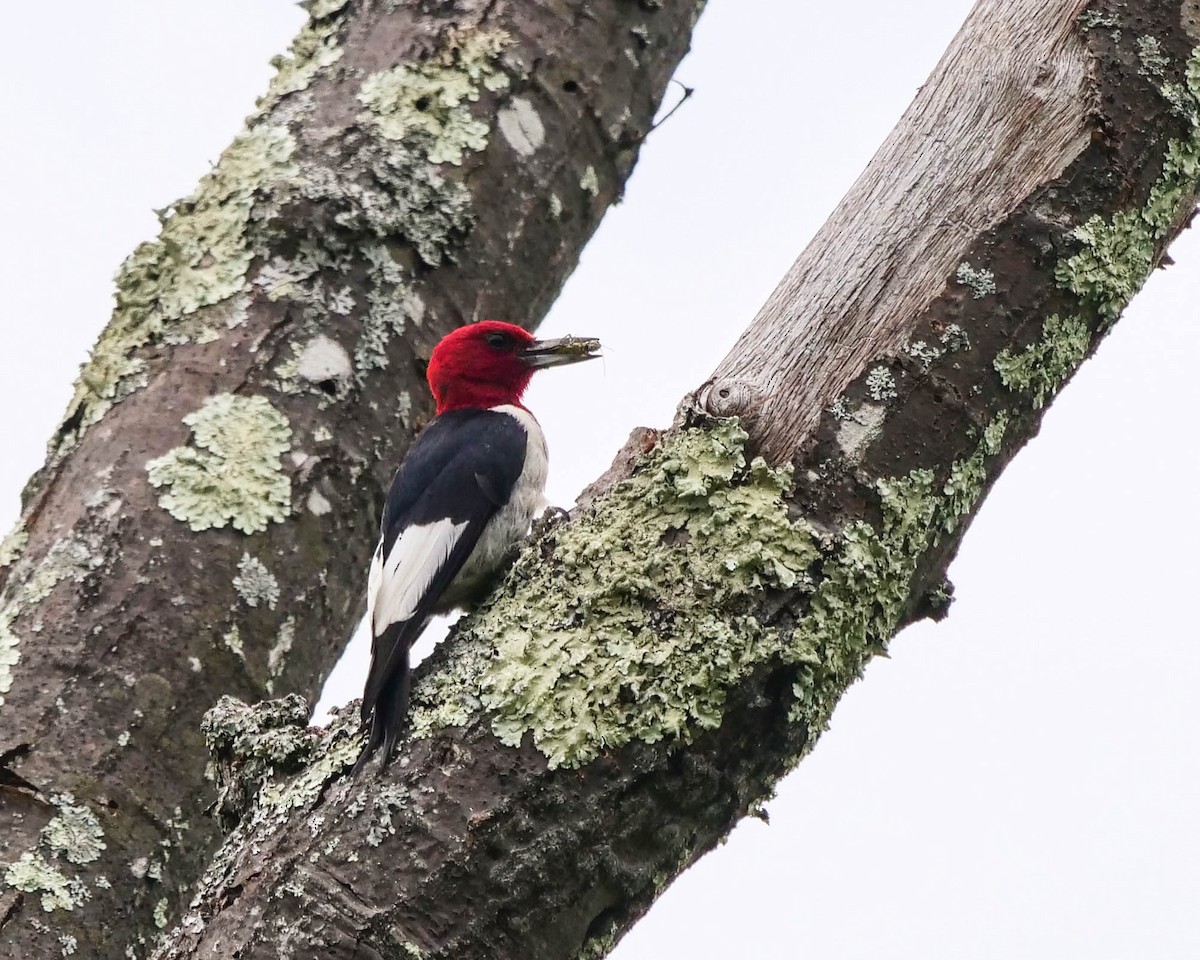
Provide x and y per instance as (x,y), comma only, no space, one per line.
(729,398)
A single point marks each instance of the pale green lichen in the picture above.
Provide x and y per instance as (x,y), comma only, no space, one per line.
(337,756)
(865,587)
(253,744)
(1119,253)
(429,103)
(10,655)
(1040,369)
(590,183)
(233,473)
(387,801)
(74,832)
(277,656)
(232,639)
(32,874)
(160,913)
(967,477)
(596,663)
(979,282)
(13,544)
(68,558)
(256,584)
(200,258)
(645,611)
(315,48)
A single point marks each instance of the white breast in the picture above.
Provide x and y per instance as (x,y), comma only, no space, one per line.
(512,520)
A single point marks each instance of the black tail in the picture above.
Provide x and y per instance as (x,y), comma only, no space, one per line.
(386,713)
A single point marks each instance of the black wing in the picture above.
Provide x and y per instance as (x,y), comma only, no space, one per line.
(459,472)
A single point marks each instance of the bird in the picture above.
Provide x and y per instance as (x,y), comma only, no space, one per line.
(465,492)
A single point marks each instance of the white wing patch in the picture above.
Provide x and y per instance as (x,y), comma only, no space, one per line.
(398,582)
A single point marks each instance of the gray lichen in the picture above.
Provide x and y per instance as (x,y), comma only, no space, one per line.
(252,744)
(881,385)
(256,584)
(277,655)
(979,282)
(233,473)
(521,126)
(1151,56)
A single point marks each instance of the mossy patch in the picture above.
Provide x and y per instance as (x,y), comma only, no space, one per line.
(233,473)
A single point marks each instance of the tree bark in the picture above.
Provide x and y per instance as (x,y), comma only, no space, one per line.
(211,497)
(649,669)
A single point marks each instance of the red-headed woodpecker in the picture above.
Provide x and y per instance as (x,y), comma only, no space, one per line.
(465,492)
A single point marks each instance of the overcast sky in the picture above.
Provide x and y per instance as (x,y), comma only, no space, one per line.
(1019,781)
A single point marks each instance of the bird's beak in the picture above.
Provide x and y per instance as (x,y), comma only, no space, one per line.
(556,353)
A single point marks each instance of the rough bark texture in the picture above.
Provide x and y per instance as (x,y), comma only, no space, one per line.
(651,667)
(211,496)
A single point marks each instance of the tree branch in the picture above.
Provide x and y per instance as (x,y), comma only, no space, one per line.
(648,670)
(210,498)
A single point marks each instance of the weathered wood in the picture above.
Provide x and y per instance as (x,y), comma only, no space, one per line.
(661,659)
(211,496)
(1007,109)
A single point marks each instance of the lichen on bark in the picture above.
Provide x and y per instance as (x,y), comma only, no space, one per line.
(233,474)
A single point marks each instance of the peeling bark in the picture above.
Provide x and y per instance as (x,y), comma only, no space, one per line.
(212,492)
(524,823)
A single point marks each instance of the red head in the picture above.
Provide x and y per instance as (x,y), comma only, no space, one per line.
(490,363)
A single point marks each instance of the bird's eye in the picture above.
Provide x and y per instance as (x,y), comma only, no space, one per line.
(497,341)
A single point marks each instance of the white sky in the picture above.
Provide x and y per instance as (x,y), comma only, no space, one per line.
(1019,781)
